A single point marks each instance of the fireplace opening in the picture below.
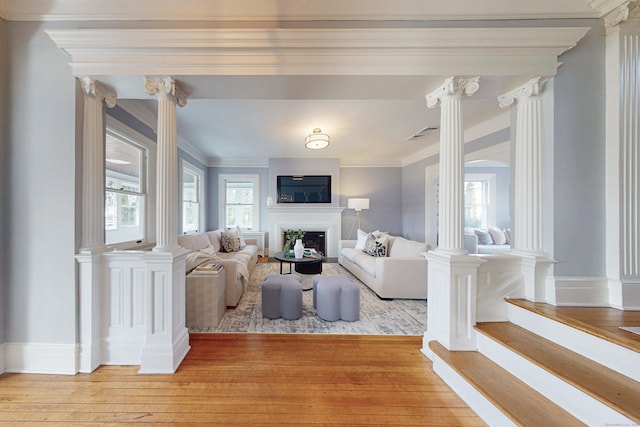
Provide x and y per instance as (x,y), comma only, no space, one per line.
(314,240)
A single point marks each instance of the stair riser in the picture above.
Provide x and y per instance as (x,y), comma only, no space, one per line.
(582,406)
(614,357)
(476,401)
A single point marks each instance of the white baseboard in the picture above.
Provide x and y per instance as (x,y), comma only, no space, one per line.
(2,363)
(41,358)
(577,291)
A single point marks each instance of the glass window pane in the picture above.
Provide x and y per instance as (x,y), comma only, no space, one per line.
(123,164)
(123,217)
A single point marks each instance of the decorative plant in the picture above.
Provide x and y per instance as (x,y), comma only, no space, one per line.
(290,237)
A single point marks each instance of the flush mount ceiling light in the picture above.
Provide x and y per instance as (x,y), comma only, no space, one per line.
(317,140)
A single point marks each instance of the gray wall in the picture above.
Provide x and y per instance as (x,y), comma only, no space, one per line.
(40,301)
(579,186)
(381,186)
(413,199)
(4,172)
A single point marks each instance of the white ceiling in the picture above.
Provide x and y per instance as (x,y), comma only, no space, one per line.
(246,119)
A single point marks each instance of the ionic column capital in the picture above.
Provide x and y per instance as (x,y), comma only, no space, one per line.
(615,12)
(452,87)
(168,88)
(532,88)
(94,89)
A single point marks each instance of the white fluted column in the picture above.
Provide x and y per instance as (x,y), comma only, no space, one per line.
(623,157)
(89,258)
(95,96)
(451,192)
(527,225)
(527,218)
(452,273)
(169,94)
(166,341)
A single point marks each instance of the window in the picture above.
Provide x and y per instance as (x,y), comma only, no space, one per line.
(238,195)
(192,198)
(479,200)
(125,192)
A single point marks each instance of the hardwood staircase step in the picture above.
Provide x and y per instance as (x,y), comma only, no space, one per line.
(601,322)
(606,385)
(520,403)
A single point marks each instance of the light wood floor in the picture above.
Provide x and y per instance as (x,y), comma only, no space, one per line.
(246,379)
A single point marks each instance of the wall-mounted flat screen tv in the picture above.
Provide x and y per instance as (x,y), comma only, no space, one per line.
(304,188)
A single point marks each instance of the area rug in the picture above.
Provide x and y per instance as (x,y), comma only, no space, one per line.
(377,317)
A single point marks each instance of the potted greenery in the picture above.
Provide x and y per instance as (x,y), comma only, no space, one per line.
(290,237)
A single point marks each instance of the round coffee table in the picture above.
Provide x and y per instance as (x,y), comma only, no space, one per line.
(308,265)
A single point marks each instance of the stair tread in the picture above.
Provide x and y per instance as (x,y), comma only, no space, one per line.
(604,384)
(518,401)
(601,322)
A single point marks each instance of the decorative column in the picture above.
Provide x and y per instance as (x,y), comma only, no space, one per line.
(452,274)
(527,223)
(451,191)
(166,336)
(623,156)
(169,94)
(95,95)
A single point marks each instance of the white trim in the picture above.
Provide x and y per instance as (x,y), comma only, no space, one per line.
(184,164)
(2,358)
(230,162)
(304,51)
(233,177)
(292,10)
(577,291)
(40,358)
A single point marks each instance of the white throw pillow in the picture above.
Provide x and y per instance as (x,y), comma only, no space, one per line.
(362,238)
(239,233)
(498,236)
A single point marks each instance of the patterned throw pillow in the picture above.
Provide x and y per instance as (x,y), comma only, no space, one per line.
(376,244)
(230,241)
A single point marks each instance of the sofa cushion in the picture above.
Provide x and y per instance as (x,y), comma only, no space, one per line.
(367,263)
(498,236)
(230,241)
(194,242)
(484,238)
(351,253)
(215,237)
(376,244)
(402,247)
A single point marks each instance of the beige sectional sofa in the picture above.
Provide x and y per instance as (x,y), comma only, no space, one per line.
(400,274)
(207,247)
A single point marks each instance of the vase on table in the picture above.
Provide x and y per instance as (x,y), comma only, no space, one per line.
(298,249)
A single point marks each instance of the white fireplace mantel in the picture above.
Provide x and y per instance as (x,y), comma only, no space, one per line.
(327,219)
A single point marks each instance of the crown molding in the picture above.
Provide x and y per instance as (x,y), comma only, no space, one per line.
(290,10)
(431,51)
(242,162)
(364,163)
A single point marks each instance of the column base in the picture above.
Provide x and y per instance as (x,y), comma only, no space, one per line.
(451,302)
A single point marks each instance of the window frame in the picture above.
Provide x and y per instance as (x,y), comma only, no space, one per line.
(199,173)
(489,182)
(222,196)
(123,132)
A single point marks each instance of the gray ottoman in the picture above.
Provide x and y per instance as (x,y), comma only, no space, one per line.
(282,297)
(336,298)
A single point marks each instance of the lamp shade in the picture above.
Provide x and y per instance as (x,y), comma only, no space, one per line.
(358,204)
